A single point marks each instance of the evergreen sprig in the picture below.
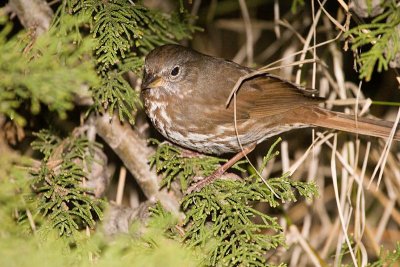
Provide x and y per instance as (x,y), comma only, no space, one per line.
(121,25)
(174,164)
(116,94)
(14,191)
(97,250)
(388,258)
(59,182)
(383,36)
(49,70)
(223,211)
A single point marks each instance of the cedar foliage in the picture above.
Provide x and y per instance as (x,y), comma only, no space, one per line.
(44,202)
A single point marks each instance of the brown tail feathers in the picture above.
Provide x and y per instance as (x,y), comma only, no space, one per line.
(348,123)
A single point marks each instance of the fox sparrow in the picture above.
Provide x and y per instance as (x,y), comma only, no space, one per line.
(185,92)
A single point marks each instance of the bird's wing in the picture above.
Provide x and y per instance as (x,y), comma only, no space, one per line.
(258,98)
(274,96)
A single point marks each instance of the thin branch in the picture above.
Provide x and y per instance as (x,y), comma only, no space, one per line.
(134,152)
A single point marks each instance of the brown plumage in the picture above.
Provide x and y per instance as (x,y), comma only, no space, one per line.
(185,92)
(189,109)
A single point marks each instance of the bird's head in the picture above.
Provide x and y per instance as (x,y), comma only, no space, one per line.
(166,66)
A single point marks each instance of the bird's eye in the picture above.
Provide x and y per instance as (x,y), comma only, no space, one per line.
(175,71)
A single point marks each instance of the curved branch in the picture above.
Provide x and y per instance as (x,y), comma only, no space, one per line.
(134,152)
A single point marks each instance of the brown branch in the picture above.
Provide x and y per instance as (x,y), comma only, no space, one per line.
(35,15)
(134,152)
(118,219)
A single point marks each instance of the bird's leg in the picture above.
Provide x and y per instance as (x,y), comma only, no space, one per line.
(220,171)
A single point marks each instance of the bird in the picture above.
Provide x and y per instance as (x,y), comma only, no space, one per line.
(185,94)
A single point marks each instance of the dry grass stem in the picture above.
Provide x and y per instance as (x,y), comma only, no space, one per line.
(121,186)
(382,161)
(249,32)
(285,156)
(276,19)
(305,246)
(341,212)
(331,18)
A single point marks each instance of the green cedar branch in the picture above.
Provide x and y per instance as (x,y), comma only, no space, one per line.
(120,26)
(222,213)
(384,35)
(116,94)
(51,70)
(59,182)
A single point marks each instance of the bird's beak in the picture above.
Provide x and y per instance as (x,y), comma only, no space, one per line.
(151,81)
